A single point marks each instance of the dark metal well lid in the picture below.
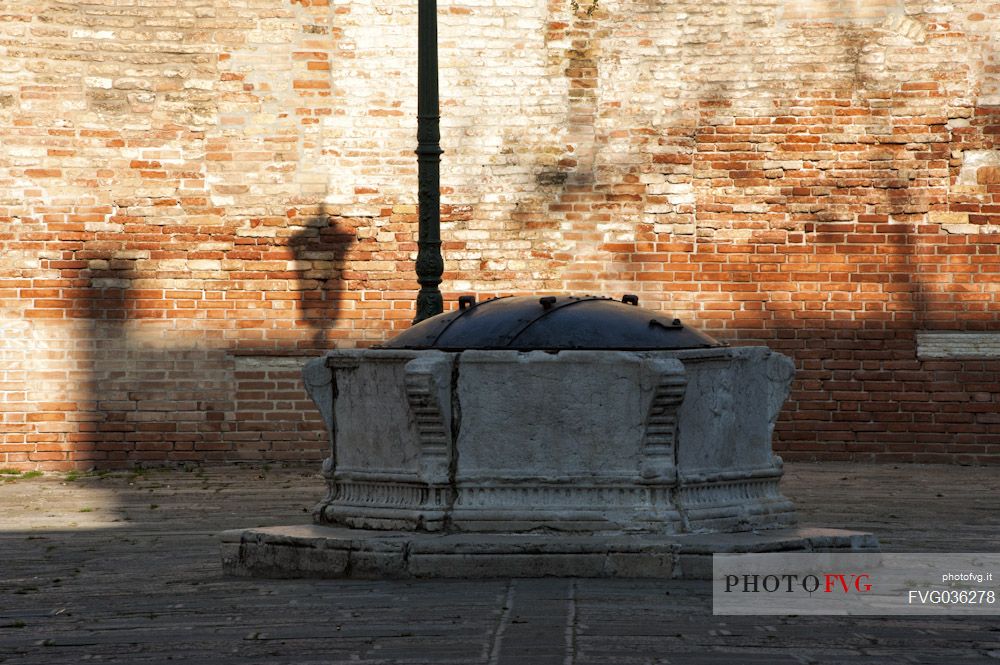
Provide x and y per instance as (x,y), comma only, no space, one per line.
(528,323)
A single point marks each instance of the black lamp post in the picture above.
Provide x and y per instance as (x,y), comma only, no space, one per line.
(430,264)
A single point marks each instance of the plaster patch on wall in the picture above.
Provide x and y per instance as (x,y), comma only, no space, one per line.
(839,11)
(906,26)
(972,161)
(264,363)
(934,345)
(957,223)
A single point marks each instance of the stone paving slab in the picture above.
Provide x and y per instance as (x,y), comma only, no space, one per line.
(126,569)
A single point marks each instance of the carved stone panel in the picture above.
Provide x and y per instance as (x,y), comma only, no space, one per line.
(575,415)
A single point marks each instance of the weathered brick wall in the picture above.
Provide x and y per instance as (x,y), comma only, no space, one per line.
(195,194)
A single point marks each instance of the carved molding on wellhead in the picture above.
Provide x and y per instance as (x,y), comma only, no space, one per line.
(427,389)
(397,495)
(660,433)
(550,496)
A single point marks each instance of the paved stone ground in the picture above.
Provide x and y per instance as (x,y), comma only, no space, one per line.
(125,568)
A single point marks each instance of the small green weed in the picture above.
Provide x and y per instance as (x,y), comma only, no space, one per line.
(137,473)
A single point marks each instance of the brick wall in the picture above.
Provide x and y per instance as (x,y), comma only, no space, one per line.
(197,194)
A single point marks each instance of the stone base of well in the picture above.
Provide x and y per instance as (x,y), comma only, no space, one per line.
(330,552)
